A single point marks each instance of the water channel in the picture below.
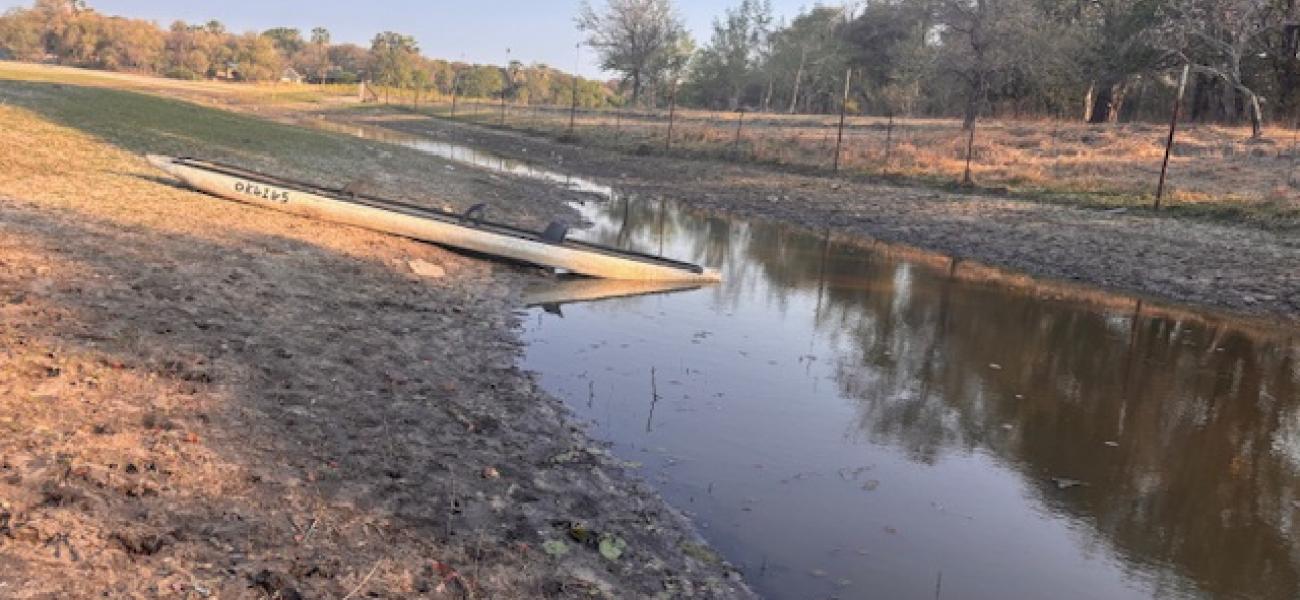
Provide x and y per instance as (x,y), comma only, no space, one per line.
(856,420)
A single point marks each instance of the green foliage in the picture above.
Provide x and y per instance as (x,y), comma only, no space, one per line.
(181,73)
(645,40)
(255,58)
(481,81)
(393,59)
(72,34)
(288,41)
(722,71)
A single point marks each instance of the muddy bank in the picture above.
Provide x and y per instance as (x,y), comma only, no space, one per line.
(1189,261)
(205,399)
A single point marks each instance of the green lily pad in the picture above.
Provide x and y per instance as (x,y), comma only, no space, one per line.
(555,548)
(612,548)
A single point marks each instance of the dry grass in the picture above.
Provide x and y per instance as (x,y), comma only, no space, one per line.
(247,96)
(1215,171)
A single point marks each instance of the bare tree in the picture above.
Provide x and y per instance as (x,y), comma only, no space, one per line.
(1215,37)
(634,37)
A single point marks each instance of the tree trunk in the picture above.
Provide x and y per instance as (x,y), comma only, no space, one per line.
(1102,103)
(1087,102)
(1118,94)
(1256,116)
(636,87)
(767,98)
(972,111)
(798,79)
(1228,102)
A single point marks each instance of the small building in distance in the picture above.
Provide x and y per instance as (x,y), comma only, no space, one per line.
(291,75)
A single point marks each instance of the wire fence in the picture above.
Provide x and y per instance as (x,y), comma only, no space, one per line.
(1216,169)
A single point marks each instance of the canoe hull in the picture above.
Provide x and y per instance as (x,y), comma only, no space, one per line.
(606,264)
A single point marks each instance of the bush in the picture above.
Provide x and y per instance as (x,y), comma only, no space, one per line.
(181,73)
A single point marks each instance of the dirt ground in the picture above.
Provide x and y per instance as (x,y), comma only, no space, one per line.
(1190,261)
(200,399)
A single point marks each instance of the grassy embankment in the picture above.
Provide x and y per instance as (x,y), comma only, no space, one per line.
(68,132)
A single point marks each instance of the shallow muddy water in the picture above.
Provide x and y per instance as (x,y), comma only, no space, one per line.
(855,420)
(466,155)
(851,421)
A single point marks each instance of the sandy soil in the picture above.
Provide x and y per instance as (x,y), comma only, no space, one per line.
(204,399)
(1181,260)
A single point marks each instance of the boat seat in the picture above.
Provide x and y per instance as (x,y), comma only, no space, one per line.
(555,232)
(474,213)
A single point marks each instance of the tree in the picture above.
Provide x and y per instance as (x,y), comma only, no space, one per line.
(1216,38)
(809,58)
(887,43)
(724,68)
(639,38)
(481,81)
(351,61)
(1115,51)
(314,58)
(21,35)
(255,56)
(393,59)
(988,43)
(320,36)
(288,41)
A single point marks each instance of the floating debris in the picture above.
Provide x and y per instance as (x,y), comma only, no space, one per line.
(1064,483)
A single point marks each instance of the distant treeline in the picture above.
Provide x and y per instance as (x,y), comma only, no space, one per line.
(71,33)
(1097,60)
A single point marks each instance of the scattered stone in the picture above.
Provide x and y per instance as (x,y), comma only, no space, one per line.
(426,269)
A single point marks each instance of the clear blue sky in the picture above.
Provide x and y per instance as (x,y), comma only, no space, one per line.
(480,31)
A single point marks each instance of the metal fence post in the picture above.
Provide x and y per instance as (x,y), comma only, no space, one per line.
(672,114)
(740,124)
(1173,128)
(889,138)
(966,178)
(844,107)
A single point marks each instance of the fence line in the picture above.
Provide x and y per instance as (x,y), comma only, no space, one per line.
(1118,163)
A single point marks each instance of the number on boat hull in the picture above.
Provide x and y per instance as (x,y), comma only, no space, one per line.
(262,191)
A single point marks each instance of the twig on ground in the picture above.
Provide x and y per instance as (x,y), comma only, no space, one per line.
(364,581)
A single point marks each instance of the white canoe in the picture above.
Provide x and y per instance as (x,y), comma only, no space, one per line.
(430,225)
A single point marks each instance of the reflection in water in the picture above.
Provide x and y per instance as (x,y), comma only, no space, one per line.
(465,155)
(867,422)
(576,289)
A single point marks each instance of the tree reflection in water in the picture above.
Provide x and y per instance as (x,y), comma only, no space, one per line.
(1183,429)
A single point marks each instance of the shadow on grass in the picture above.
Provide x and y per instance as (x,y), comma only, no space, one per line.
(143,123)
